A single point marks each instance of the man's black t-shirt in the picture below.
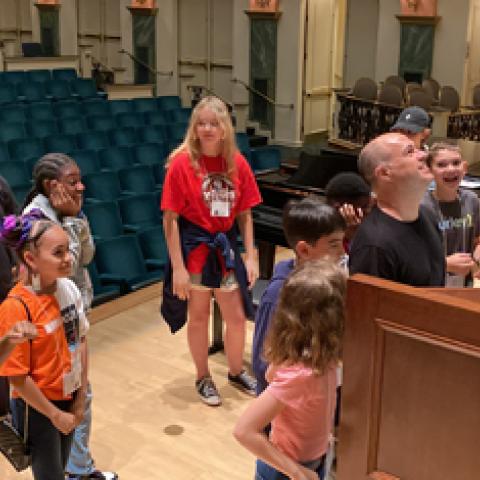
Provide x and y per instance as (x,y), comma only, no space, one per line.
(404,252)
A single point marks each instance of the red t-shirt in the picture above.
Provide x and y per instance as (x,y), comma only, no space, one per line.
(188,193)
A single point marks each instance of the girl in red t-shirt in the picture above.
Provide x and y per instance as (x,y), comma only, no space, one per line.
(210,185)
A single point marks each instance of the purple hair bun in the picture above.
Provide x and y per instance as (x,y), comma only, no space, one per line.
(25,222)
(9,222)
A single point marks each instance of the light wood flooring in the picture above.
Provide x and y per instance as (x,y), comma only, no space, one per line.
(148,422)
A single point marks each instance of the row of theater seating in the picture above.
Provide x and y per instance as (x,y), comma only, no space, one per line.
(53,90)
(144,162)
(111,111)
(143,256)
(71,135)
(16,77)
(127,226)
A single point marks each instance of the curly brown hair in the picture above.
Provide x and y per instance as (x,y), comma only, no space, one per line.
(308,323)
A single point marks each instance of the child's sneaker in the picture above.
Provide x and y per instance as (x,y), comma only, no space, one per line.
(208,391)
(244,382)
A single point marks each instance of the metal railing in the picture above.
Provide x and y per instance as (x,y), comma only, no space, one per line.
(143,64)
(262,95)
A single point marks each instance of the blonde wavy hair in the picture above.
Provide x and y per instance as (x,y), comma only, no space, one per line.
(191,143)
(307,326)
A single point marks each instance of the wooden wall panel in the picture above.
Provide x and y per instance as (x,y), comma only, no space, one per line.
(411,383)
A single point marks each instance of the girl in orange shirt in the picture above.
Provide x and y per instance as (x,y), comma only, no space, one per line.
(48,373)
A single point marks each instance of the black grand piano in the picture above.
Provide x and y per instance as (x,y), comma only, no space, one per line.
(310,176)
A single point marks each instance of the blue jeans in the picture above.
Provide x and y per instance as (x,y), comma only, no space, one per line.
(48,446)
(264,471)
(80,461)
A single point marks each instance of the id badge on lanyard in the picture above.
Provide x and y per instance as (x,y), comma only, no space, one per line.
(72,380)
(220,206)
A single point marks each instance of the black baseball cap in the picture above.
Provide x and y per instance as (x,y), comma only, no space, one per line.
(413,120)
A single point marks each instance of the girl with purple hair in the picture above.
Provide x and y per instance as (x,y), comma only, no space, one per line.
(47,373)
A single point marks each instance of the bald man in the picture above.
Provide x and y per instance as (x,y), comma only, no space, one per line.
(398,240)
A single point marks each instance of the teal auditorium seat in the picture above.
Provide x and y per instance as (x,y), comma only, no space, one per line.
(42,129)
(4,154)
(243,144)
(116,158)
(93,140)
(155,118)
(86,88)
(180,115)
(176,131)
(140,211)
(104,219)
(69,108)
(73,125)
(87,161)
(66,74)
(138,179)
(150,153)
(8,93)
(12,131)
(13,113)
(154,134)
(42,76)
(41,111)
(101,293)
(153,246)
(58,90)
(95,107)
(153,154)
(265,158)
(120,106)
(24,149)
(15,173)
(143,105)
(101,123)
(14,77)
(169,102)
(20,192)
(130,120)
(31,91)
(60,143)
(130,273)
(123,137)
(102,186)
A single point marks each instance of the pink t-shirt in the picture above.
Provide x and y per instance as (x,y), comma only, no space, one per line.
(302,429)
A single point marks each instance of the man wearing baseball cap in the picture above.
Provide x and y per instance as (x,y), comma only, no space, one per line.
(414,122)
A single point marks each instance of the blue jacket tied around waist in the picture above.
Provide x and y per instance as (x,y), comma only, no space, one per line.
(174,310)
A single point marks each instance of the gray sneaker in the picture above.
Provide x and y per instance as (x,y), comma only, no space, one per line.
(244,382)
(208,391)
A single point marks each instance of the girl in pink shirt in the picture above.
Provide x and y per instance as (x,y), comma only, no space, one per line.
(303,349)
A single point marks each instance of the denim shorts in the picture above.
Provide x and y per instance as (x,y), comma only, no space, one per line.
(264,471)
(228,283)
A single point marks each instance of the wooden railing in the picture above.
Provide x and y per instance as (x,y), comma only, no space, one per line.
(359,121)
(465,125)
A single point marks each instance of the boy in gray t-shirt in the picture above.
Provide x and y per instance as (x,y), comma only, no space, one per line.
(457,212)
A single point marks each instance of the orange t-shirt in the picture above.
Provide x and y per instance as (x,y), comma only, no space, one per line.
(49,357)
